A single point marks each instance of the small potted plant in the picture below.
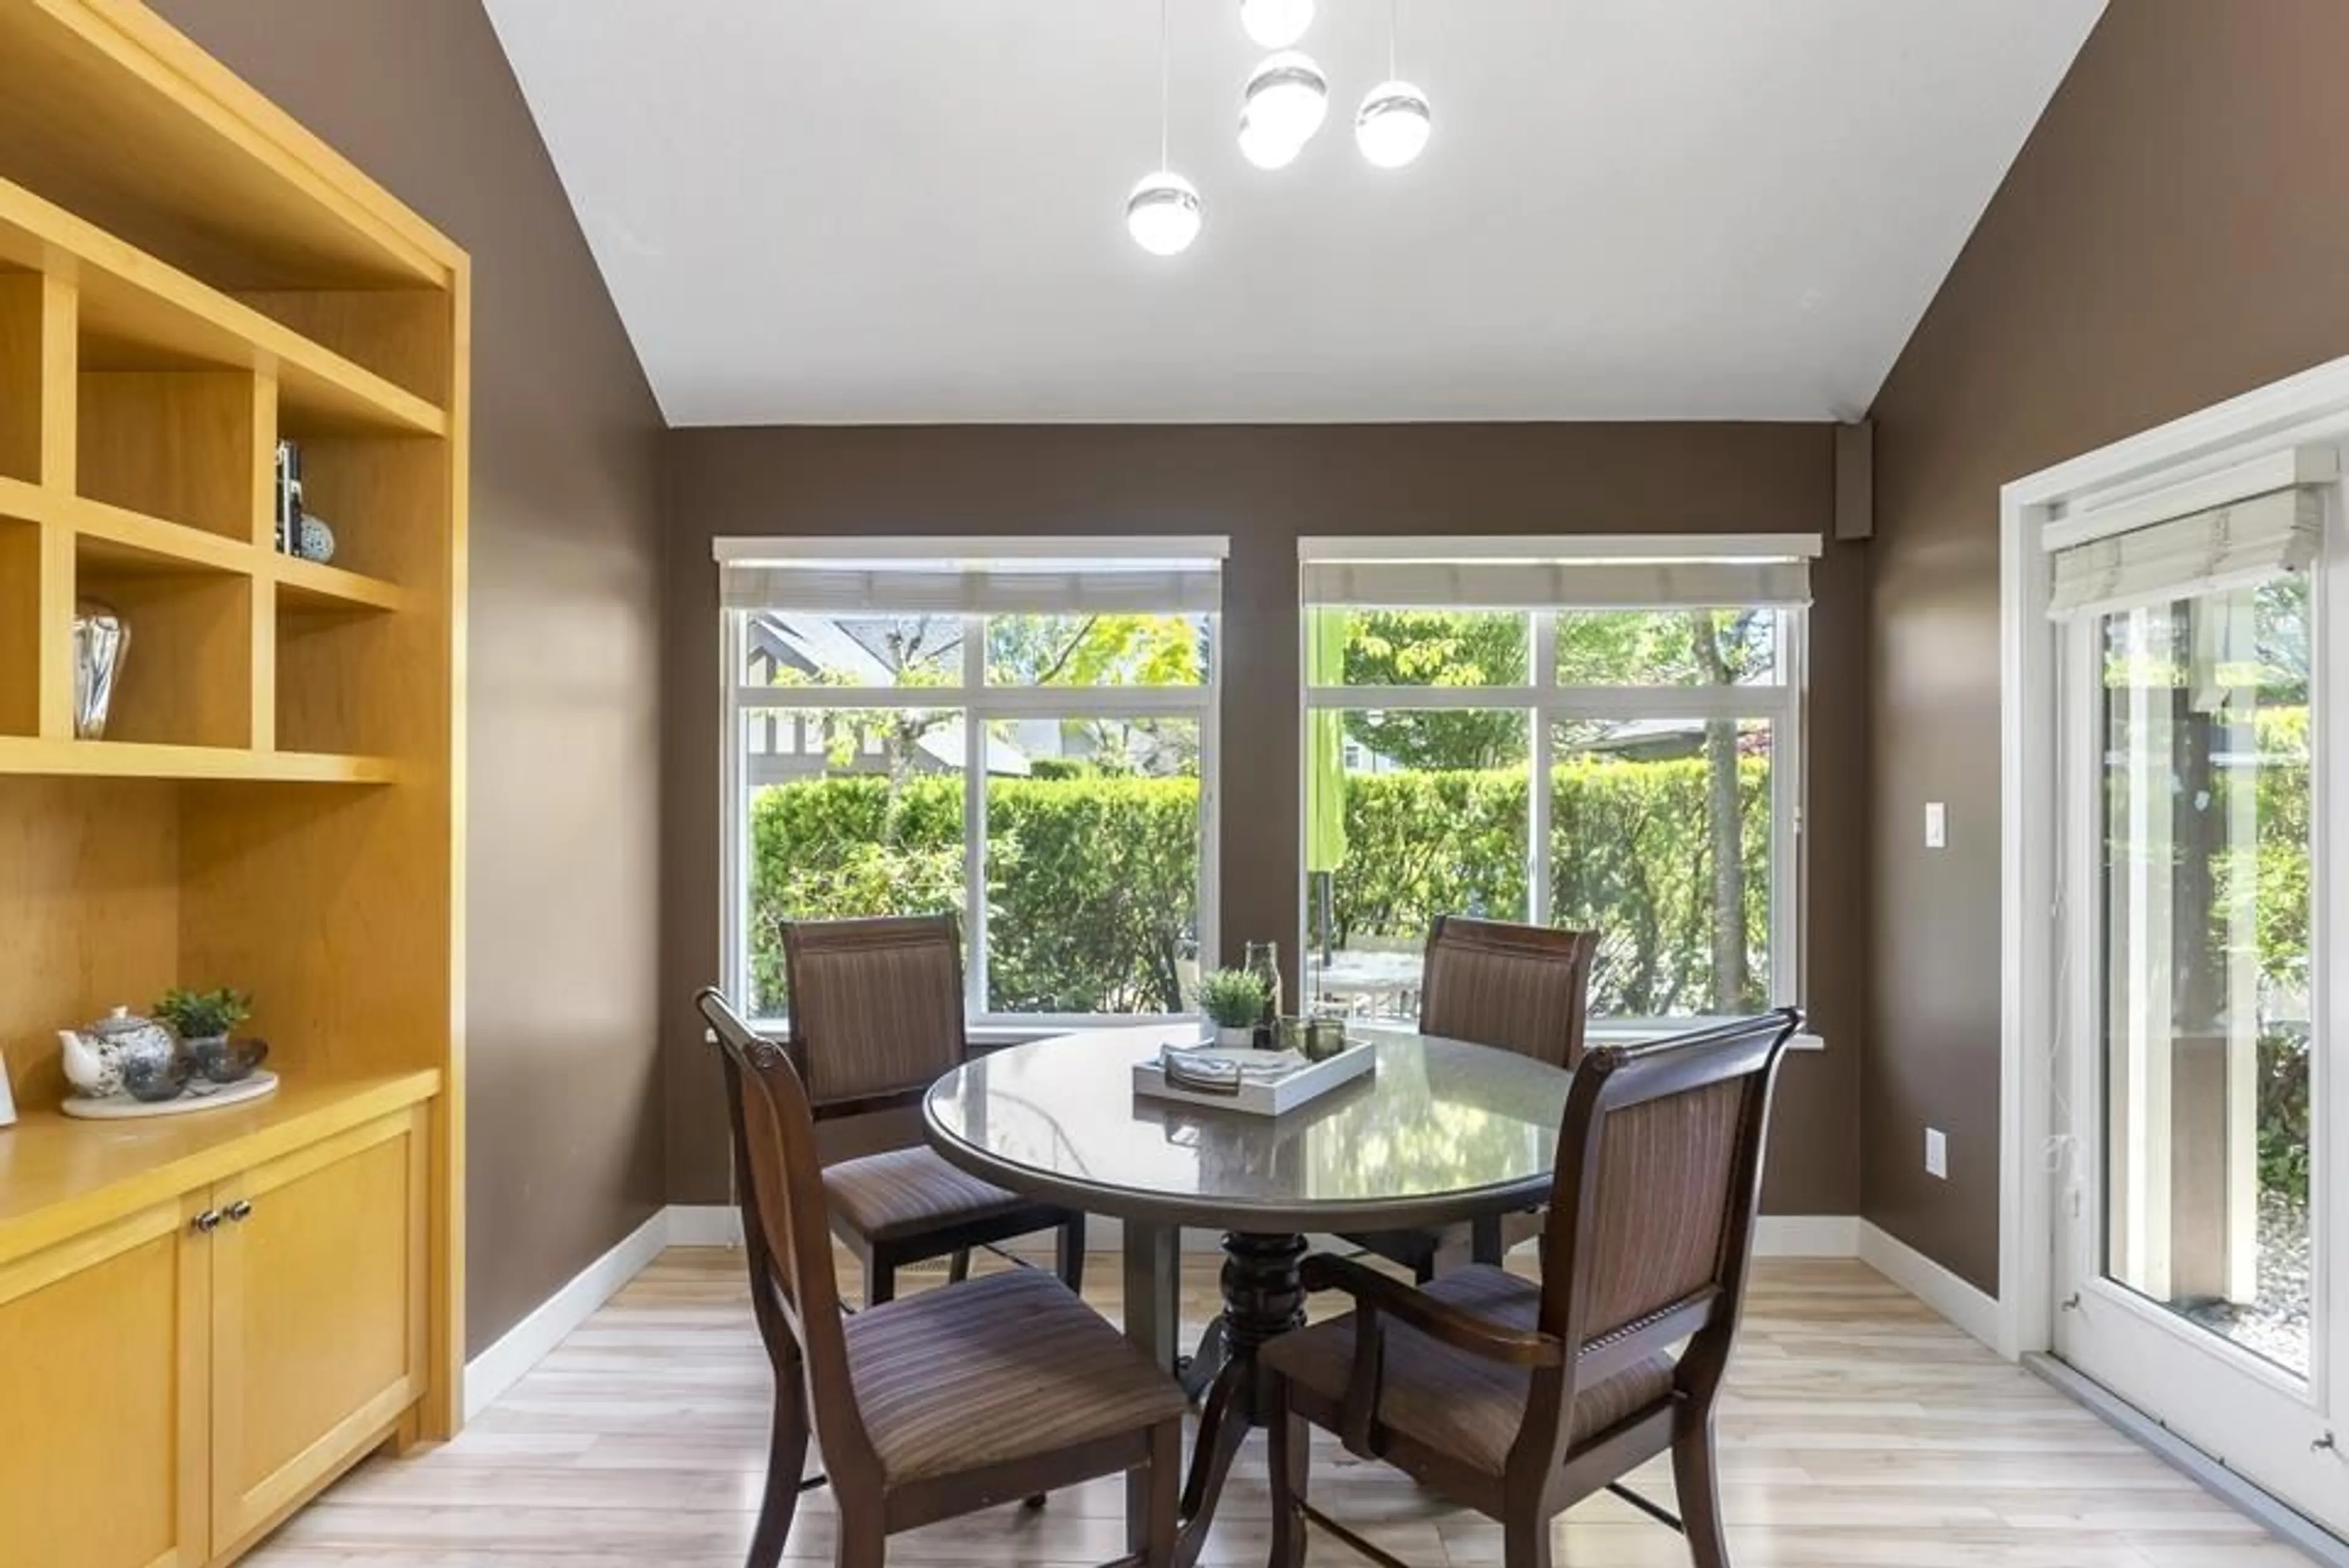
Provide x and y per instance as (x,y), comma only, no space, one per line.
(202,1019)
(1233,1000)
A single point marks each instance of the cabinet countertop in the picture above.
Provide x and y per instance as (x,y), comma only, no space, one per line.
(60,1178)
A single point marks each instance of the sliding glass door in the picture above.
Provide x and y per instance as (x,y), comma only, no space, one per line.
(2201,1223)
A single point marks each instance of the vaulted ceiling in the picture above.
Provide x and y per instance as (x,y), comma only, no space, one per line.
(910,211)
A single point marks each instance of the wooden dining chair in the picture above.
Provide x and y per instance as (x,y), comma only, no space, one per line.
(971,1395)
(1522,988)
(876,1016)
(1519,1399)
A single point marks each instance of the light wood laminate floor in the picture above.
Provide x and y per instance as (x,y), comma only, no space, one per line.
(1858,1429)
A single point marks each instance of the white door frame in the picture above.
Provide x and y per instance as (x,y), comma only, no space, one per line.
(2290,432)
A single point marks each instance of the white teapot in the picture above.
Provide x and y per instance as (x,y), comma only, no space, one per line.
(97,1057)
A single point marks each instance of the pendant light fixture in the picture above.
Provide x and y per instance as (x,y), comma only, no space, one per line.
(1392,126)
(1165,211)
(1262,148)
(1286,100)
(1276,24)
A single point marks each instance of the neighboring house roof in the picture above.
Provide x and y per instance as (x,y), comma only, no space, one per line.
(813,645)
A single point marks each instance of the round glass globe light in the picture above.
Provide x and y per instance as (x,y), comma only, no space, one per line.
(1164,214)
(1393,124)
(1261,148)
(1276,24)
(1287,97)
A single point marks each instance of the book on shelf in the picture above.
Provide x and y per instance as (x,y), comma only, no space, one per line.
(289,497)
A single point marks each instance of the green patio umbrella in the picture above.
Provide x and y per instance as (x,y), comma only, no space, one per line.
(1325,763)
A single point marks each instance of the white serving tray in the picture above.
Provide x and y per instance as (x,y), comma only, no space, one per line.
(1256,1099)
(201,1095)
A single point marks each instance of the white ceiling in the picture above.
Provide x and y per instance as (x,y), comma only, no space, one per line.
(910,211)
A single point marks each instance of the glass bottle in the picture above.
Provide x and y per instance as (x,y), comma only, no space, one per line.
(1262,959)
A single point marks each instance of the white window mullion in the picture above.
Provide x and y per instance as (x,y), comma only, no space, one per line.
(1625,702)
(973,812)
(734,948)
(1211,730)
(1788,816)
(1537,788)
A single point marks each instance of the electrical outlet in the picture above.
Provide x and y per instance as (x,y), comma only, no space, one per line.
(1937,1153)
(1937,825)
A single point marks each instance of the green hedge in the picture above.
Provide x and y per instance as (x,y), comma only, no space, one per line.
(1632,860)
(1093,896)
(1092,882)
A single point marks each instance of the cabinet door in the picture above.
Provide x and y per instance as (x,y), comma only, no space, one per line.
(319,1316)
(103,1396)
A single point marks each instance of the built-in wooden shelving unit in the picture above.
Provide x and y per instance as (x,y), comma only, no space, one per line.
(186,277)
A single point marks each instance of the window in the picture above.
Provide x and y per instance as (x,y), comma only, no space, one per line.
(1608,742)
(1022,740)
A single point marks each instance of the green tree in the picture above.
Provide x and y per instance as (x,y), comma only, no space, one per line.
(1437,648)
(1110,651)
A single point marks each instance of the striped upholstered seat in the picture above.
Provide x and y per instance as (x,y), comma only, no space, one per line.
(962,1397)
(876,1017)
(1450,1399)
(903,1192)
(993,1372)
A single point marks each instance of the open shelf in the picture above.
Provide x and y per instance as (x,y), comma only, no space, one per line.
(138,760)
(198,167)
(110,533)
(139,314)
(306,586)
(20,626)
(179,445)
(187,672)
(20,374)
(332,657)
(112,536)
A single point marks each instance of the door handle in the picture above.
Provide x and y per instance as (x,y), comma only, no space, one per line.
(240,1210)
(205,1224)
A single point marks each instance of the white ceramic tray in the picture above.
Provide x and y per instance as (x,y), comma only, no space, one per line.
(201,1095)
(1260,1098)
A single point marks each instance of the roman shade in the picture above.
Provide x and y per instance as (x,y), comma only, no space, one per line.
(1079,576)
(2231,546)
(1557,584)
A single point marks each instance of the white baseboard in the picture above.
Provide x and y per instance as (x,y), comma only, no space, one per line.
(1929,1283)
(1806,1236)
(524,1345)
(705,1225)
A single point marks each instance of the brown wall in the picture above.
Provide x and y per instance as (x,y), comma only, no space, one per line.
(1264,486)
(2176,232)
(564,1154)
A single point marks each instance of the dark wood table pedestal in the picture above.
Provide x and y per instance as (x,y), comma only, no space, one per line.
(1263,1298)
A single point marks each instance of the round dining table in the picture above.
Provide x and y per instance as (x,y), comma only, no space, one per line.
(1438,1133)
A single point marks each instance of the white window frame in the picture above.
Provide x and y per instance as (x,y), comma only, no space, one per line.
(1780,705)
(979,704)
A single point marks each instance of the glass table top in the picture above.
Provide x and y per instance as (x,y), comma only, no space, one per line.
(1441,1131)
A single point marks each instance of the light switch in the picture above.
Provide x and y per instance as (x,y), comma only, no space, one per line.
(1937,825)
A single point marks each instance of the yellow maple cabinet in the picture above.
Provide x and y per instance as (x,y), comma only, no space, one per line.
(318,1319)
(103,1345)
(176,1380)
